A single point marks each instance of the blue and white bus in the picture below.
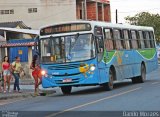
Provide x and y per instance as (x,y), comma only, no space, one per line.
(84,53)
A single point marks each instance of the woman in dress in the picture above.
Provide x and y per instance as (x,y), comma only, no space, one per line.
(36,73)
(6,73)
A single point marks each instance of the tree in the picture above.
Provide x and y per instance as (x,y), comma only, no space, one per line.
(146,19)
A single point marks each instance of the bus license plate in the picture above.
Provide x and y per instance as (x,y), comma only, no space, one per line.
(67,80)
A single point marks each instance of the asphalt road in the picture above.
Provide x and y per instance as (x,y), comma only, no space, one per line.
(125,100)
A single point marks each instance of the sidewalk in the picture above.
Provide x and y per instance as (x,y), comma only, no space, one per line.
(27,88)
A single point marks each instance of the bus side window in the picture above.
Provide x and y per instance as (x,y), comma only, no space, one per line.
(108,40)
(122,39)
(134,39)
(117,38)
(100,44)
(126,38)
(151,37)
(146,39)
(141,39)
(138,40)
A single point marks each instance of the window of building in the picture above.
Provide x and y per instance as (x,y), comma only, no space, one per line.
(80,14)
(117,37)
(11,11)
(32,10)
(108,40)
(134,39)
(6,12)
(126,38)
(3,12)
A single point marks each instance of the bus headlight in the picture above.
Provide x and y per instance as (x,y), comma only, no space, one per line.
(92,68)
(43,73)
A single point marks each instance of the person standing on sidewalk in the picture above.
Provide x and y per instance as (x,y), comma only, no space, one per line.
(36,73)
(16,67)
(6,73)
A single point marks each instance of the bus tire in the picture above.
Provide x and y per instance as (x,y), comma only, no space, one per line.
(135,79)
(109,85)
(66,90)
(142,77)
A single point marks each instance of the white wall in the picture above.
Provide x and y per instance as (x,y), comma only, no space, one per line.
(48,11)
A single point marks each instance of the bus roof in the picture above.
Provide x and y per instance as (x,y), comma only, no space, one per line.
(105,24)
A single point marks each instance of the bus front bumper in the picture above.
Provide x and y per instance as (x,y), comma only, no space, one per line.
(73,81)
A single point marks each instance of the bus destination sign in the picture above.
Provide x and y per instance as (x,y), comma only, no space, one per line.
(65,28)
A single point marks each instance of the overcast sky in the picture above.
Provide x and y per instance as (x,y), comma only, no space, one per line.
(131,7)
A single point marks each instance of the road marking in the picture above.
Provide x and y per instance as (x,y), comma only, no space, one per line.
(155,83)
(93,102)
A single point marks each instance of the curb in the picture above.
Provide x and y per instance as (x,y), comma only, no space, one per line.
(24,83)
(16,96)
(26,94)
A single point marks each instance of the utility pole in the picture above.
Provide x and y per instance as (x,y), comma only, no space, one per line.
(116,16)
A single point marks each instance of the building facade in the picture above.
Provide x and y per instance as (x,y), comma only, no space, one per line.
(93,10)
(37,13)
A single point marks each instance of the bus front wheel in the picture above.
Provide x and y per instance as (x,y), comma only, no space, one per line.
(66,90)
(109,85)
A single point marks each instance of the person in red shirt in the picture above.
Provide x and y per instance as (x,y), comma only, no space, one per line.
(6,73)
(36,73)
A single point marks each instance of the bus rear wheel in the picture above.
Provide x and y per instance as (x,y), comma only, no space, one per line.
(109,85)
(142,77)
(66,90)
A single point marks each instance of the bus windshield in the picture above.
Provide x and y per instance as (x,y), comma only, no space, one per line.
(64,49)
